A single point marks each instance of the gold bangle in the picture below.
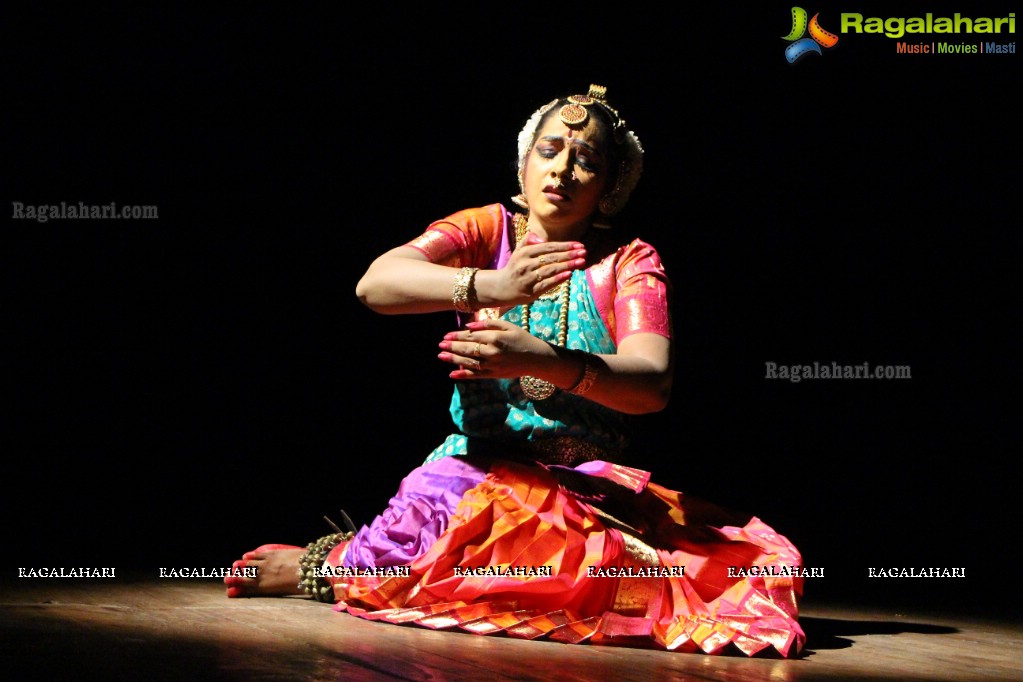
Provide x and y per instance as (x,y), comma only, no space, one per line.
(464,294)
(589,375)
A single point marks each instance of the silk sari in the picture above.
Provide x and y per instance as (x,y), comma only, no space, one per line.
(525,522)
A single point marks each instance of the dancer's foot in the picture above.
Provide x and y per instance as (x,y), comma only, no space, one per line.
(277,572)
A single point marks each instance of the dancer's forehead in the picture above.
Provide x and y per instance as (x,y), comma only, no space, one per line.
(590,137)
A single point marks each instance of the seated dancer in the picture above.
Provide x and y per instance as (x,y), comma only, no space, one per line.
(526,521)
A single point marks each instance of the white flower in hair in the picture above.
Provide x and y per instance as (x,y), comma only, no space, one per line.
(529,132)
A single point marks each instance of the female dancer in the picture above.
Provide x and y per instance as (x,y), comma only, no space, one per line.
(526,521)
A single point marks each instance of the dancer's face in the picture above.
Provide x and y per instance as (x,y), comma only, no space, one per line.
(565,175)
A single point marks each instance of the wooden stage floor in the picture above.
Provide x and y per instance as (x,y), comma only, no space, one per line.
(188,630)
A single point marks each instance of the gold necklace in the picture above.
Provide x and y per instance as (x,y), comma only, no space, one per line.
(532,387)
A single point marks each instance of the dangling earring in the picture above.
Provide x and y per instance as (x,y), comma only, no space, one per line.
(520,199)
(605,207)
(608,204)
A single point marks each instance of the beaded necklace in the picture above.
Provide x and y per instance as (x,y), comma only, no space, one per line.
(532,387)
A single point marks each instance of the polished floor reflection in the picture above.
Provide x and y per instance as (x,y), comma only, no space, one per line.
(188,630)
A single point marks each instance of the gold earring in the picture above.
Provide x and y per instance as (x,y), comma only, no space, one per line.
(608,204)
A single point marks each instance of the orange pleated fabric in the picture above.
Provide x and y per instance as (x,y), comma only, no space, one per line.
(521,517)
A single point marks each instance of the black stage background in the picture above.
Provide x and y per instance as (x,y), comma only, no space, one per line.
(183,389)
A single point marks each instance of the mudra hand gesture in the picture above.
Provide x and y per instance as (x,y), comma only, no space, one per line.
(538,266)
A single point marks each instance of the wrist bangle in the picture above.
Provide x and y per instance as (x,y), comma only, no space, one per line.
(464,294)
(589,375)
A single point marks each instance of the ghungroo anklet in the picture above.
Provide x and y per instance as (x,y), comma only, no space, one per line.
(311,562)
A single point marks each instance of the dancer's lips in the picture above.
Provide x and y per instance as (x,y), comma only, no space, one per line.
(555,193)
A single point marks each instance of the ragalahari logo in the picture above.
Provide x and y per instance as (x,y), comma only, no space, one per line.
(801,45)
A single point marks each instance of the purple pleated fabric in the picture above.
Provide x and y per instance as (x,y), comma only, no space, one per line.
(418,514)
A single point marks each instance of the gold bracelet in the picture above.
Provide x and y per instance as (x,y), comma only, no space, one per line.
(464,294)
(589,375)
